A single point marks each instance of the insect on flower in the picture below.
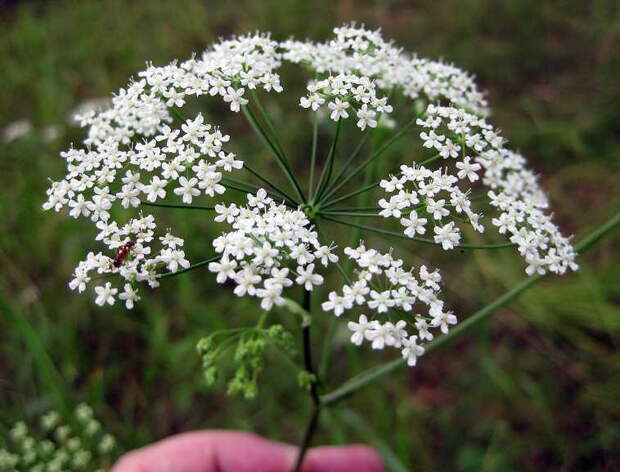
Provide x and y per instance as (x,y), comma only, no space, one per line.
(122,254)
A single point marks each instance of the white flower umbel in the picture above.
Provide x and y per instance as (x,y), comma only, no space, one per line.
(270,248)
(141,149)
(395,296)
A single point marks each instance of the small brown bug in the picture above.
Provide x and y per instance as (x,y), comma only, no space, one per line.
(123,252)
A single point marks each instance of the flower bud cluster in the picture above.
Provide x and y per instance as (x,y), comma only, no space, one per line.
(270,248)
(59,447)
(383,286)
(248,358)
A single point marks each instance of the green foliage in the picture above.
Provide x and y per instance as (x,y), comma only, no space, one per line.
(248,359)
(80,445)
(305,379)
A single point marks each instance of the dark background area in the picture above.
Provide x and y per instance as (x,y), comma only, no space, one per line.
(535,388)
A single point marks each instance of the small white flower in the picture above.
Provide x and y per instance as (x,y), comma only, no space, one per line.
(360,329)
(174,258)
(366,117)
(105,294)
(171,241)
(414,224)
(423,328)
(468,169)
(156,189)
(130,296)
(448,236)
(338,109)
(235,98)
(381,335)
(79,207)
(412,350)
(270,295)
(442,319)
(307,278)
(437,208)
(313,101)
(187,189)
(224,268)
(380,301)
(337,304)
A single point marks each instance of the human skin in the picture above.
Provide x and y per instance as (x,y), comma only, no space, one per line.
(235,451)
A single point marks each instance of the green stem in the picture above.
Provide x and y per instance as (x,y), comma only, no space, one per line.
(249,114)
(241,182)
(269,183)
(329,164)
(421,240)
(307,343)
(372,157)
(272,129)
(368,208)
(365,378)
(308,435)
(177,114)
(429,160)
(315,136)
(314,394)
(185,207)
(197,265)
(350,159)
(352,194)
(239,189)
(276,196)
(351,213)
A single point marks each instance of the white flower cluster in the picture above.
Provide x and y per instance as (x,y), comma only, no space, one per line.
(225,70)
(132,259)
(133,153)
(358,51)
(119,166)
(271,248)
(435,195)
(344,92)
(111,172)
(522,206)
(515,192)
(384,286)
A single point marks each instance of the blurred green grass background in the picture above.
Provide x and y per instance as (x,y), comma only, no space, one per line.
(536,388)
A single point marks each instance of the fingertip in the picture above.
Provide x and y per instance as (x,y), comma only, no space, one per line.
(343,459)
(129,462)
(209,451)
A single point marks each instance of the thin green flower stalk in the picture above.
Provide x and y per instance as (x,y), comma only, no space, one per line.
(420,125)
